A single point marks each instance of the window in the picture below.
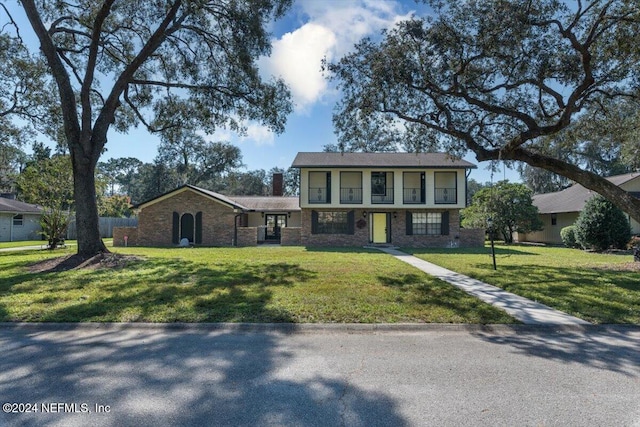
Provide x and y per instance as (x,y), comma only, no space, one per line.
(351,187)
(378,183)
(382,187)
(554,219)
(332,222)
(446,187)
(18,220)
(413,188)
(428,223)
(319,187)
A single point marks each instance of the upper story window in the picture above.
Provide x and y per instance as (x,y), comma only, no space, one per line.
(381,187)
(446,187)
(350,187)
(319,187)
(413,188)
(18,220)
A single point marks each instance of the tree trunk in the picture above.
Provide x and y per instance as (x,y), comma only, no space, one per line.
(87,221)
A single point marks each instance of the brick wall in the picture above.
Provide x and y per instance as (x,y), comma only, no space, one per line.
(247,236)
(399,237)
(472,237)
(120,232)
(359,238)
(155,222)
(290,236)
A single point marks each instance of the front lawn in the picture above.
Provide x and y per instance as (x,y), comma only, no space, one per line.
(600,288)
(264,284)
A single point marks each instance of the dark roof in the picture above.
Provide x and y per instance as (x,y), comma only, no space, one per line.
(272,204)
(247,203)
(379,160)
(573,199)
(16,206)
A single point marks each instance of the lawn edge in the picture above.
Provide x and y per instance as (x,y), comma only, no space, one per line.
(312,327)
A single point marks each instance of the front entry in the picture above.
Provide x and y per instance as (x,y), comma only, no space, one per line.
(274,223)
(379,228)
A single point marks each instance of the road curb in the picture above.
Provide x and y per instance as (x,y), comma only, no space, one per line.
(315,327)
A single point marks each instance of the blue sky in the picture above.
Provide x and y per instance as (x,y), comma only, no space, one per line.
(311,31)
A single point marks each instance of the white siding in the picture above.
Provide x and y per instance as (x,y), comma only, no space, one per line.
(398,178)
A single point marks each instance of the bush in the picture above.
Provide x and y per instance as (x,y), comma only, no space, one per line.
(634,242)
(568,236)
(602,225)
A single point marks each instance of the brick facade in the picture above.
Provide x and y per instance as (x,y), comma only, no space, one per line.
(156,226)
(156,220)
(130,232)
(290,236)
(247,236)
(457,237)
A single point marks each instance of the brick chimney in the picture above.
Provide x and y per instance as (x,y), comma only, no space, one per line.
(278,184)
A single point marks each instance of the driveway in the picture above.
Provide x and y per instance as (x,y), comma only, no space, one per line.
(155,375)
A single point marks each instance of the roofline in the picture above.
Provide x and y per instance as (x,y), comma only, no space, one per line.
(182,189)
(22,212)
(422,167)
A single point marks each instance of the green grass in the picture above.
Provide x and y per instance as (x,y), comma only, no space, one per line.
(20,243)
(264,284)
(592,286)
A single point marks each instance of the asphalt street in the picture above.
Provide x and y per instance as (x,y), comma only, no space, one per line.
(156,375)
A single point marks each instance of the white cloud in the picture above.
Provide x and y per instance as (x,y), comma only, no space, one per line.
(259,134)
(330,30)
(297,57)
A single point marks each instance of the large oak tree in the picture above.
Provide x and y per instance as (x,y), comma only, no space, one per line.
(162,64)
(495,77)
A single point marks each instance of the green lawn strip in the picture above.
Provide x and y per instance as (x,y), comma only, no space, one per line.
(592,286)
(264,284)
(42,243)
(21,243)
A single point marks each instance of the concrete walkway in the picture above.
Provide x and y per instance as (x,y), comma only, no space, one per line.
(523,309)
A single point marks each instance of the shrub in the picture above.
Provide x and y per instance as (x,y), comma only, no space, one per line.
(634,242)
(602,225)
(568,236)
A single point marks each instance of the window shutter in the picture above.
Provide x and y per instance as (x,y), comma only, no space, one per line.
(328,200)
(445,224)
(198,228)
(409,224)
(351,219)
(176,228)
(314,222)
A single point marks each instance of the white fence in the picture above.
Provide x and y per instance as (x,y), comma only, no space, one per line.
(106,226)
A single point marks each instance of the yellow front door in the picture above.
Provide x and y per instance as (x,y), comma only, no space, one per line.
(379,228)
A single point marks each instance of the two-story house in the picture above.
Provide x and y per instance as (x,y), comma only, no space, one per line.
(350,199)
(405,199)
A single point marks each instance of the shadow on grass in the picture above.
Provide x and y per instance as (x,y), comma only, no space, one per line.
(164,290)
(441,295)
(157,377)
(597,295)
(348,249)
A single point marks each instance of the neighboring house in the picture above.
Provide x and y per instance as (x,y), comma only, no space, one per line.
(350,199)
(561,209)
(404,199)
(19,220)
